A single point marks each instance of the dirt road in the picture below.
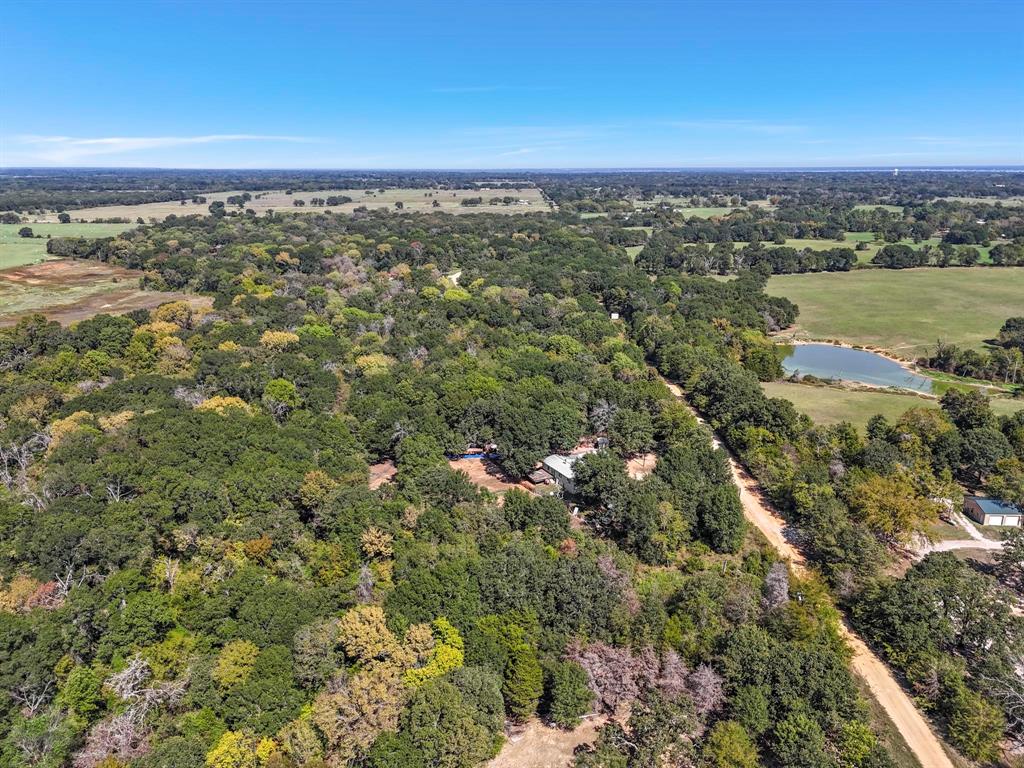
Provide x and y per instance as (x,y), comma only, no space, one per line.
(908,720)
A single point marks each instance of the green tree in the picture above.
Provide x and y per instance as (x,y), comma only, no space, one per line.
(730,746)
(524,682)
(569,694)
(82,692)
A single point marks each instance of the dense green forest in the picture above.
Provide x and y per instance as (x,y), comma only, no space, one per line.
(195,570)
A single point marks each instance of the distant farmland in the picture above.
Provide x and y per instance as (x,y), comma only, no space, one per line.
(16,251)
(526,200)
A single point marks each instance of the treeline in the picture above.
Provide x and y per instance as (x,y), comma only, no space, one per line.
(852,187)
(899,256)
(1004,363)
(662,252)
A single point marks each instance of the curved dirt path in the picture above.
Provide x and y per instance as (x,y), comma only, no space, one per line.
(909,721)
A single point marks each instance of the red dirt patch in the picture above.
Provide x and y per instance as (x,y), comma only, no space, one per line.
(69,290)
(487,474)
(539,746)
(381,473)
(640,467)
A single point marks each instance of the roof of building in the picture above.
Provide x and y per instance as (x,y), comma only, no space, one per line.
(561,464)
(995,506)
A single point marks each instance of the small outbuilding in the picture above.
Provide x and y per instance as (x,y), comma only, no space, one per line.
(992,511)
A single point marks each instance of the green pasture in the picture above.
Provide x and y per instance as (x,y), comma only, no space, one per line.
(17,251)
(831,405)
(904,311)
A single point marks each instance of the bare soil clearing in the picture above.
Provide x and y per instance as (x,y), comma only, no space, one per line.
(69,290)
(489,475)
(381,473)
(540,746)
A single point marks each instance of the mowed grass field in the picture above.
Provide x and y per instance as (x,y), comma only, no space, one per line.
(904,311)
(528,199)
(890,208)
(831,405)
(682,204)
(16,251)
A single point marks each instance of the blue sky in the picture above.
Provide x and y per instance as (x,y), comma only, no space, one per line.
(512,85)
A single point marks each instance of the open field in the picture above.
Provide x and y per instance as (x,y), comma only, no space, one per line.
(904,311)
(68,290)
(682,204)
(529,199)
(16,251)
(890,208)
(830,405)
(633,251)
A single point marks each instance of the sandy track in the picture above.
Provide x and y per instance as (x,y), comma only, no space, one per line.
(908,720)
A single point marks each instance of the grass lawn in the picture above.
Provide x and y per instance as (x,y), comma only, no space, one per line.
(830,405)
(681,204)
(890,208)
(16,251)
(904,311)
(633,251)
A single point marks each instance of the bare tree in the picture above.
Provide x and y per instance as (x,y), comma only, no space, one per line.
(125,735)
(33,698)
(707,689)
(364,587)
(601,415)
(15,458)
(616,675)
(776,587)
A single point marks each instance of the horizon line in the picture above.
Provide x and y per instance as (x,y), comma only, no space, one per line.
(537,169)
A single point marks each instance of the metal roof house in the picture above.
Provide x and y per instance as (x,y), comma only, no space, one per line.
(992,511)
(560,468)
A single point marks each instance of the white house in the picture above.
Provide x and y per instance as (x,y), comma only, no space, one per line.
(560,469)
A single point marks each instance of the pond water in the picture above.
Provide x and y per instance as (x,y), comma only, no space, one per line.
(828,361)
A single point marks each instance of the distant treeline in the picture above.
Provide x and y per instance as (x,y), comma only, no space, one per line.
(47,188)
(23,189)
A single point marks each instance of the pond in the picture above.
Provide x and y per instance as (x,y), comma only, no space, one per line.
(828,361)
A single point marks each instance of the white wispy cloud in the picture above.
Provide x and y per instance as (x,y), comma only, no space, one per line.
(742,125)
(59,149)
(466,89)
(489,88)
